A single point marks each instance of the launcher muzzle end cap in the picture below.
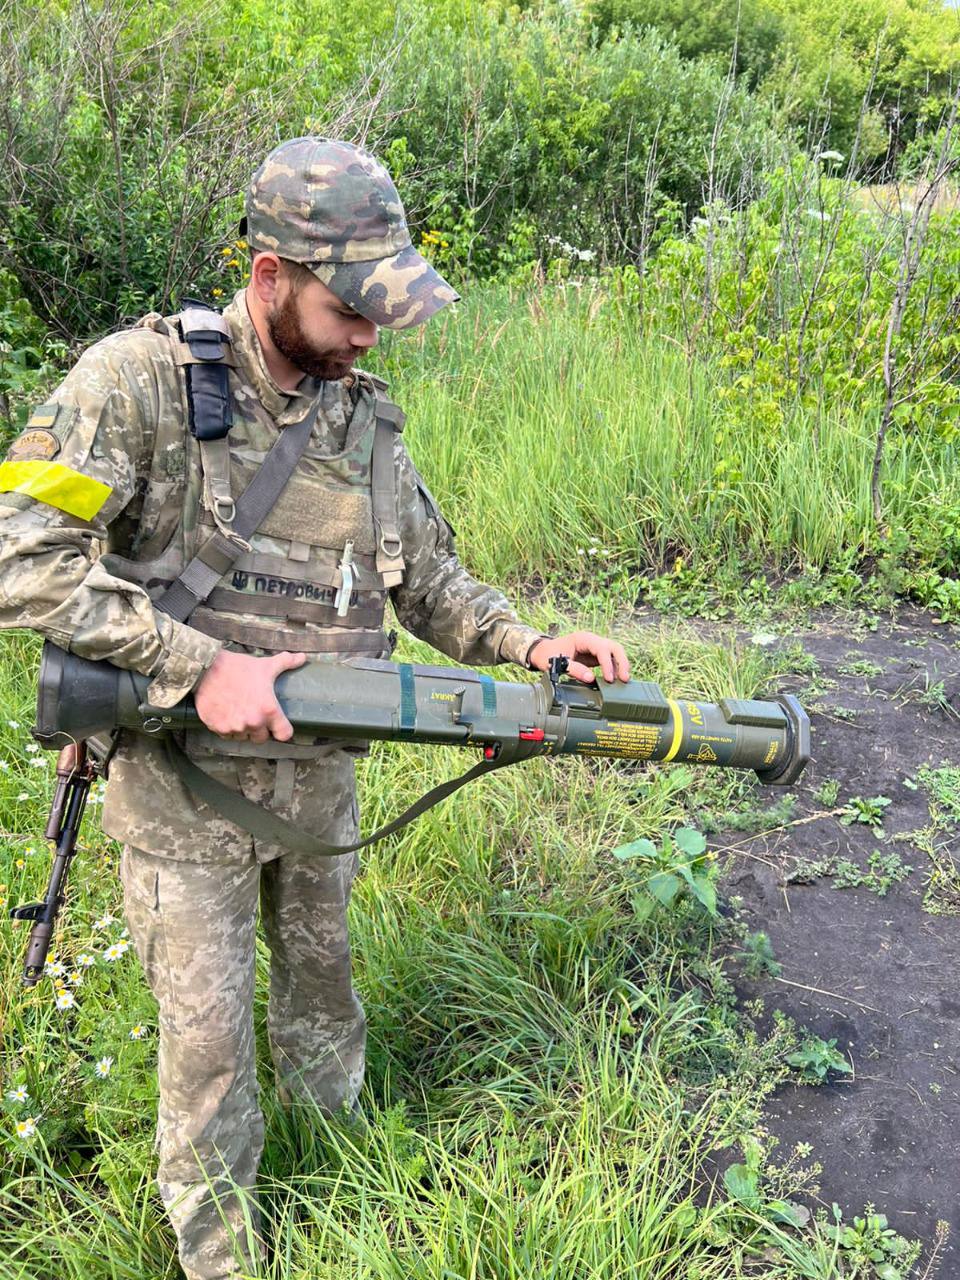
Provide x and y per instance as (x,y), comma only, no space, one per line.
(798,755)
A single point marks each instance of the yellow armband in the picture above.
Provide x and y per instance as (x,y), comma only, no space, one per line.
(57,485)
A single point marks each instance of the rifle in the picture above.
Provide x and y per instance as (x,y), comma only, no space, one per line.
(76,770)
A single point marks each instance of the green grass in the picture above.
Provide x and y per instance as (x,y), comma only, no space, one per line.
(548,425)
(549,1075)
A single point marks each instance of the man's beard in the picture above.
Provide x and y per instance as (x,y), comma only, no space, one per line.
(286,334)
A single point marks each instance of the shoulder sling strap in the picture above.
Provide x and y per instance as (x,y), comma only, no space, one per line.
(266,825)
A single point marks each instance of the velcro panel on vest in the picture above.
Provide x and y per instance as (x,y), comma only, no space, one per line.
(322,516)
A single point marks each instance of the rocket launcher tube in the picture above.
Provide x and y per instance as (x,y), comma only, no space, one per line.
(367,699)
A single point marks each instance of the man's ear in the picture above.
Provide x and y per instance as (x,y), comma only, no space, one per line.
(266,274)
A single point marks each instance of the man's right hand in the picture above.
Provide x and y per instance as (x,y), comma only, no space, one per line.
(235,698)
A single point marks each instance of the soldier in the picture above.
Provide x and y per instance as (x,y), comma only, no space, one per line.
(105,498)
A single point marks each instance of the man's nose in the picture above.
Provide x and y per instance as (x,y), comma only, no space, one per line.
(364,334)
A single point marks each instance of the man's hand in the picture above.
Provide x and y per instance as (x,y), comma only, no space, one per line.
(585,651)
(235,698)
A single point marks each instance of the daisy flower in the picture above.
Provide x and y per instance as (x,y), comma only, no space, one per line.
(26,1128)
(116,950)
(55,968)
(66,1000)
(19,1094)
(137,1032)
(84,960)
(105,921)
(102,1068)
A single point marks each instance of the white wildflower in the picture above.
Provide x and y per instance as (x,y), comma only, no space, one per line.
(116,950)
(19,1094)
(105,921)
(32,748)
(137,1032)
(835,157)
(85,960)
(24,795)
(14,724)
(66,1000)
(26,1128)
(103,1067)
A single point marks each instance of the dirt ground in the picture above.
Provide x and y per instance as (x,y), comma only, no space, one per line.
(881,974)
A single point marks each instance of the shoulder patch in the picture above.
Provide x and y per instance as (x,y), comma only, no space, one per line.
(45,415)
(35,442)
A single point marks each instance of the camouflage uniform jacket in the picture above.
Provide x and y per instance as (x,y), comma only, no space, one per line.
(120,420)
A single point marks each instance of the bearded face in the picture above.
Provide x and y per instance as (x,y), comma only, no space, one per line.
(320,360)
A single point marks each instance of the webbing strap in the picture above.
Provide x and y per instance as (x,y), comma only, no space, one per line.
(265,825)
(205,570)
(390,563)
(370,644)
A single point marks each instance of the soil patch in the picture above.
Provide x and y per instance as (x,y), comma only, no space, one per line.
(880,974)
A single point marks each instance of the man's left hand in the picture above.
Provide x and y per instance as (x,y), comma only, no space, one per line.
(586,651)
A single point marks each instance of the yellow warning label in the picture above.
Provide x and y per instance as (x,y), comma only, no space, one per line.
(627,741)
(706,755)
(772,750)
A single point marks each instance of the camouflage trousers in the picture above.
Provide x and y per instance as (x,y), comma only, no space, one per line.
(194,927)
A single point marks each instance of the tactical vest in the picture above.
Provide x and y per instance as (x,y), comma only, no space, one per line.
(315,574)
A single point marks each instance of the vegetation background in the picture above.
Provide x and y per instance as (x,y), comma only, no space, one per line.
(707,359)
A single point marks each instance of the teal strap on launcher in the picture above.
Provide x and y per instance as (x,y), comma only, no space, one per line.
(408,699)
(489,687)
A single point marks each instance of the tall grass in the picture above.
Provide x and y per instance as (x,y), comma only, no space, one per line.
(546,420)
(551,1077)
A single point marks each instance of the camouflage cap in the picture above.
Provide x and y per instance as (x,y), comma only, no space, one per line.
(334,208)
